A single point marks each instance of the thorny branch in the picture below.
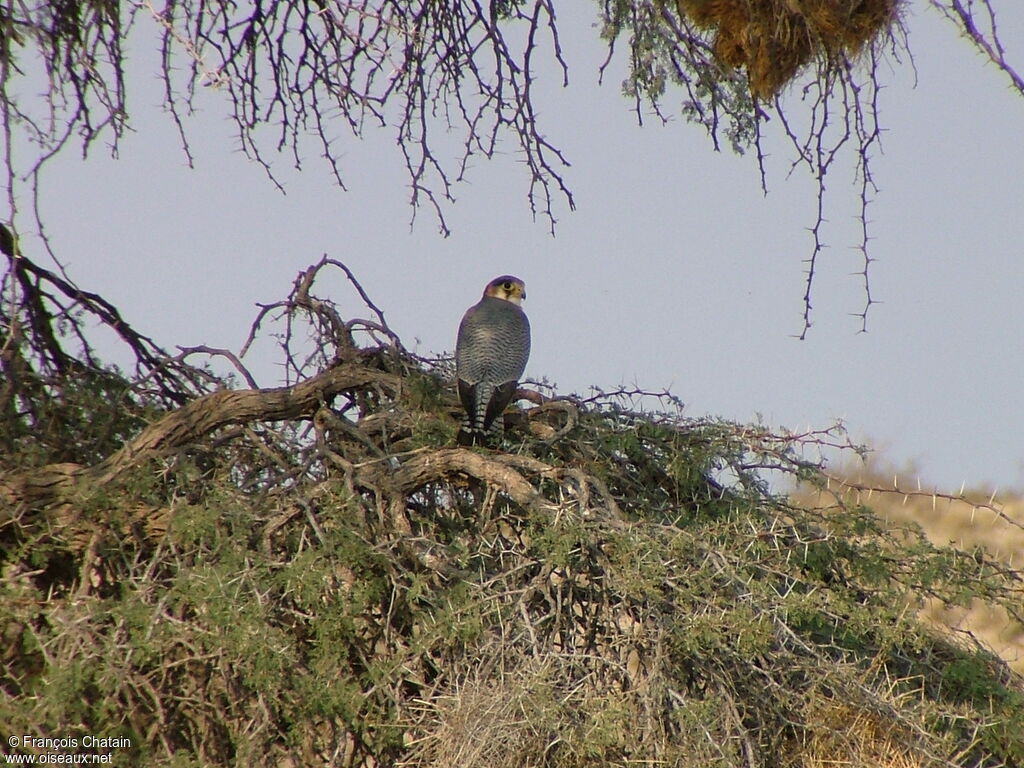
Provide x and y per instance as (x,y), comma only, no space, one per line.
(840,484)
(711,53)
(976,19)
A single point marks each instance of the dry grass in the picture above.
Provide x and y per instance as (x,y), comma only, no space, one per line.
(845,736)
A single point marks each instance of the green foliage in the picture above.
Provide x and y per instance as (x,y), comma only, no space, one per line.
(664,50)
(425,399)
(97,407)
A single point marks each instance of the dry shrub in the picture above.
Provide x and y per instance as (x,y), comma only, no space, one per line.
(499,722)
(775,39)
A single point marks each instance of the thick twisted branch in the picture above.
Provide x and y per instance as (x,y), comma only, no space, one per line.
(51,484)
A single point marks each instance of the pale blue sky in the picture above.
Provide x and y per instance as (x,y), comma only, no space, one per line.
(675,271)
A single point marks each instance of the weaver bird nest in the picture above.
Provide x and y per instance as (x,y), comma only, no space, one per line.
(774,39)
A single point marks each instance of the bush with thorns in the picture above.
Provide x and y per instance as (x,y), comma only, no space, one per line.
(316,575)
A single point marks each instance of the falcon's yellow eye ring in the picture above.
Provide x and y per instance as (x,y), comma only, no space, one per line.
(507,285)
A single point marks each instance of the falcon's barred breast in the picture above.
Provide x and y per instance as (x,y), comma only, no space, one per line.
(490,356)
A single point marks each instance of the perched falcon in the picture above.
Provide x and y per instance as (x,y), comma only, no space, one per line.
(490,356)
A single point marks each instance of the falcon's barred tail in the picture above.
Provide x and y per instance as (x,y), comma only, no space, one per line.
(472,436)
(484,405)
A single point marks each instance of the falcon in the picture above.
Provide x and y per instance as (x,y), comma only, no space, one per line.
(490,356)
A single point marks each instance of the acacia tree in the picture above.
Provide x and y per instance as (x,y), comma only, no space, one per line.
(314,575)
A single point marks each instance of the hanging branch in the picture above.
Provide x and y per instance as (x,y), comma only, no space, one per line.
(427,71)
(812,66)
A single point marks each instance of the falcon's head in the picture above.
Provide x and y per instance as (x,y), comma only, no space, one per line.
(508,288)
